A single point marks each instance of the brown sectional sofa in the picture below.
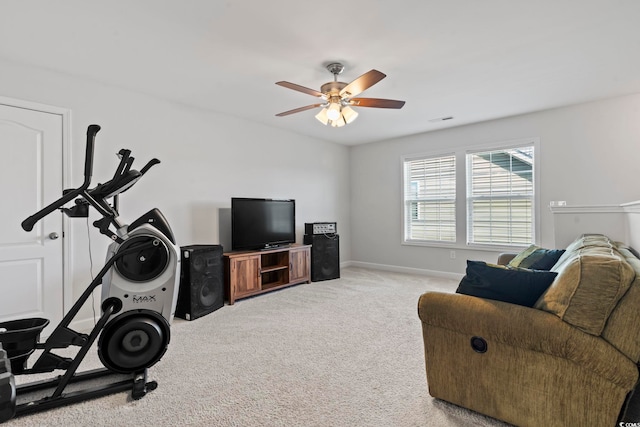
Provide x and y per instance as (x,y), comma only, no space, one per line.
(571,360)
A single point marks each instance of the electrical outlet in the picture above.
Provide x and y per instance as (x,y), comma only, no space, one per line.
(452,254)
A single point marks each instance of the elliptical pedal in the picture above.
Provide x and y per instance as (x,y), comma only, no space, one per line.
(7,388)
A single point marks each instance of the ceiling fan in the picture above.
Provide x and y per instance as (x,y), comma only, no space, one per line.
(338,97)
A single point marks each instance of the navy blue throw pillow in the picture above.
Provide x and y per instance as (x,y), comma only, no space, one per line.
(515,286)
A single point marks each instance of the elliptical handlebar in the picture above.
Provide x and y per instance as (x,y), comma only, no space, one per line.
(148,166)
(92,130)
(69,195)
(124,158)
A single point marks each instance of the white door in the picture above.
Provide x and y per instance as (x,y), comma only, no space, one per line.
(31,263)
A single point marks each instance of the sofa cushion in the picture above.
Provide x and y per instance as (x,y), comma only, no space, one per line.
(623,326)
(536,258)
(515,286)
(589,285)
(586,241)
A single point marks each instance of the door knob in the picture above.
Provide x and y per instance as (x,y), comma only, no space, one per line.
(53,235)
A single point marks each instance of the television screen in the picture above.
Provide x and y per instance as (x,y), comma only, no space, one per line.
(262,223)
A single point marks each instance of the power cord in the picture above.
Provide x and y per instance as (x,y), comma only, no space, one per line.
(93,303)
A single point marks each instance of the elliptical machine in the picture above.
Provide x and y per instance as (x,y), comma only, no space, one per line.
(140,282)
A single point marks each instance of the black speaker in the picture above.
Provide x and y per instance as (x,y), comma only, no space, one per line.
(201,281)
(325,256)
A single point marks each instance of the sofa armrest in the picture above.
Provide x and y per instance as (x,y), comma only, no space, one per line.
(505,257)
(526,328)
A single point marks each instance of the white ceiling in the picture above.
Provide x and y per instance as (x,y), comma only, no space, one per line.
(474,60)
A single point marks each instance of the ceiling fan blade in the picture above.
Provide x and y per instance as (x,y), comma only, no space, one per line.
(376,103)
(301,89)
(297,110)
(362,83)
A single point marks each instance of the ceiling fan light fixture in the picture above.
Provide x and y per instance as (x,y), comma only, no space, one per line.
(338,97)
(333,112)
(339,122)
(349,114)
(322,116)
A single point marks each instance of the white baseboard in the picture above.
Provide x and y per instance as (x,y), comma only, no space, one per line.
(398,269)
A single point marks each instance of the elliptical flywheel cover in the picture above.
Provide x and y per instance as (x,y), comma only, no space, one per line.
(133,341)
(146,263)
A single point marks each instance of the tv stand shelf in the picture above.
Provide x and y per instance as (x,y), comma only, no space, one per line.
(276,268)
(249,273)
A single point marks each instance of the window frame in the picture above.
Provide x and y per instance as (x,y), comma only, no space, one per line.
(461,193)
(510,196)
(406,159)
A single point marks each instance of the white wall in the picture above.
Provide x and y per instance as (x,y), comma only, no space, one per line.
(206,159)
(589,155)
(632,210)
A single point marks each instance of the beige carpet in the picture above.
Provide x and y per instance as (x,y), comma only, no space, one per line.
(345,352)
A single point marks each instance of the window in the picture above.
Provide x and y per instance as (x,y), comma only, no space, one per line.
(495,192)
(430,199)
(500,197)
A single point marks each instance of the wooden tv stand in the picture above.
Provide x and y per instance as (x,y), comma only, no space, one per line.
(249,273)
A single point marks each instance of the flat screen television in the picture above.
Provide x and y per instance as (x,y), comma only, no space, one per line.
(262,223)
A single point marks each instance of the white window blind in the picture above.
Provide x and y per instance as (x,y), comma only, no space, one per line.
(430,199)
(500,197)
